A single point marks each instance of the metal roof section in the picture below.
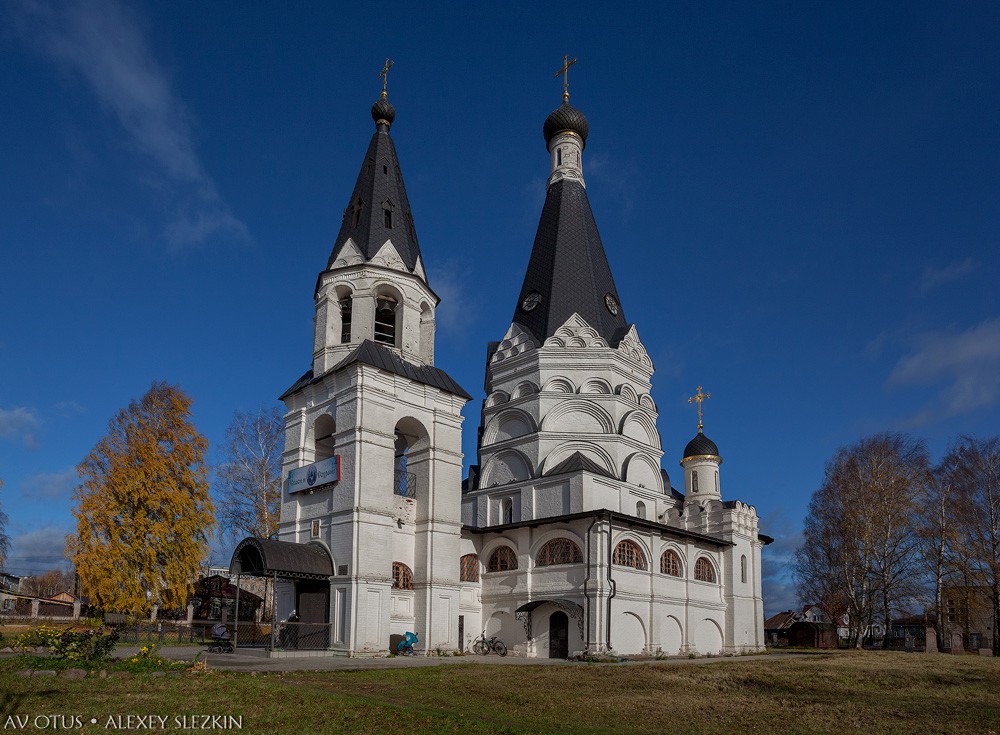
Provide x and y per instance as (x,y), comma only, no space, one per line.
(258,557)
(568,271)
(383,358)
(378,209)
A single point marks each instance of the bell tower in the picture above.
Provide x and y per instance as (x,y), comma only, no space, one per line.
(373,447)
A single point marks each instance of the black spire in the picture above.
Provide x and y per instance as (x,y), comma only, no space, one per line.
(568,271)
(378,209)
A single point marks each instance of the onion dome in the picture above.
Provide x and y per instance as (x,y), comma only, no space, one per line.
(701,446)
(383,113)
(566,118)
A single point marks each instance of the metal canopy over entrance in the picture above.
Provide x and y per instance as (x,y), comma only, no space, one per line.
(258,557)
(310,567)
(523,613)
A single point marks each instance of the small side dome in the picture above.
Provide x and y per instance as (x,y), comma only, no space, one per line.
(566,117)
(701,446)
(383,112)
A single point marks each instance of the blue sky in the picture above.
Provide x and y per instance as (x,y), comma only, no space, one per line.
(798,201)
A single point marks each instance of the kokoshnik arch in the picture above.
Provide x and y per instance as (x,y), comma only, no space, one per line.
(566,536)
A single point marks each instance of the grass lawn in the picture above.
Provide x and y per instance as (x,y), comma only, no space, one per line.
(834,693)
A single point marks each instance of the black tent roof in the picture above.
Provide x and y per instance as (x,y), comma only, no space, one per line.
(568,271)
(380,181)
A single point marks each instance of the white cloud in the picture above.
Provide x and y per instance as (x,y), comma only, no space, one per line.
(457,310)
(966,366)
(933,277)
(777,580)
(19,423)
(50,485)
(102,42)
(70,408)
(38,550)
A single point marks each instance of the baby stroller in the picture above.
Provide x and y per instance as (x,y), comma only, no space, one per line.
(405,646)
(221,642)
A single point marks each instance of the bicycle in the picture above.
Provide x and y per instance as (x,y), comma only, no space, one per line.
(483,645)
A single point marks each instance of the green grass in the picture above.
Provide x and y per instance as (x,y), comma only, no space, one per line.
(829,693)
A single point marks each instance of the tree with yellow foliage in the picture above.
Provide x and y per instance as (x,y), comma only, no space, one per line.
(143,511)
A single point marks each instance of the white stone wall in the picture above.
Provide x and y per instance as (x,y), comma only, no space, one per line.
(363,523)
(364,282)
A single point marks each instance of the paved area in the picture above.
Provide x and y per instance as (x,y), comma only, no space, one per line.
(248,660)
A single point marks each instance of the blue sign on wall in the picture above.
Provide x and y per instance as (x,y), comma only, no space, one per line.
(314,475)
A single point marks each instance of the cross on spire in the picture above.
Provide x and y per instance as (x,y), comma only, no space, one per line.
(385,75)
(565,72)
(699,398)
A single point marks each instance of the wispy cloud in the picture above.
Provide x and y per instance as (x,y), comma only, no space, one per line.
(777,582)
(38,551)
(50,485)
(933,277)
(457,310)
(616,179)
(102,42)
(19,423)
(69,408)
(966,366)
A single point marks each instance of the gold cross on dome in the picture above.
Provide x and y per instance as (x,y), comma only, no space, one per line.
(565,72)
(699,398)
(385,74)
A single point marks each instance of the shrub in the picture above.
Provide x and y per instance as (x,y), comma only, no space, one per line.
(91,645)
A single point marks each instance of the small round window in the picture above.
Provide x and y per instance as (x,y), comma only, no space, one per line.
(612,303)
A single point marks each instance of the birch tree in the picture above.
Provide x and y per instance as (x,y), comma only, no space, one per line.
(248,479)
(859,551)
(143,511)
(977,480)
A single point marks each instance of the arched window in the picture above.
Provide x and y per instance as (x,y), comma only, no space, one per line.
(743,569)
(717,482)
(559,551)
(506,510)
(703,570)
(670,563)
(324,431)
(694,482)
(346,307)
(404,482)
(385,320)
(470,568)
(628,554)
(502,560)
(640,509)
(387,208)
(402,577)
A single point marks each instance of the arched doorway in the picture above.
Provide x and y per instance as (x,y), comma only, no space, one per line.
(558,635)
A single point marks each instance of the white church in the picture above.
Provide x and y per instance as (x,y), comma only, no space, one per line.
(566,537)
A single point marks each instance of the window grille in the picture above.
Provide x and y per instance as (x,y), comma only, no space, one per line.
(402,577)
(502,560)
(346,308)
(628,554)
(670,563)
(703,571)
(470,568)
(404,484)
(559,551)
